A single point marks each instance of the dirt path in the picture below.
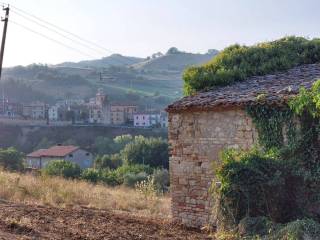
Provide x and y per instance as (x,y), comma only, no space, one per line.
(18,221)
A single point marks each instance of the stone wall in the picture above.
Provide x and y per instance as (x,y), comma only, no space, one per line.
(196,140)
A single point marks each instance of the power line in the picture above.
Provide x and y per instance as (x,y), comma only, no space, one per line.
(57,32)
(63,30)
(56,29)
(51,39)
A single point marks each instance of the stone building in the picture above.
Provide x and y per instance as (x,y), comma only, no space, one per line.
(99,109)
(122,113)
(202,125)
(35,110)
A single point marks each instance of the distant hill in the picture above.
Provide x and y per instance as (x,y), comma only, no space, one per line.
(150,82)
(174,60)
(112,60)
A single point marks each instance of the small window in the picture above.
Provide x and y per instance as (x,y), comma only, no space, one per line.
(87,154)
(71,155)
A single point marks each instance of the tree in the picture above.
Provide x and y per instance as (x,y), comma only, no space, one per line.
(108,161)
(149,151)
(173,50)
(62,168)
(122,140)
(104,145)
(11,159)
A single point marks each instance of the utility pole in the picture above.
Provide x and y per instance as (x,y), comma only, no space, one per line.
(4,34)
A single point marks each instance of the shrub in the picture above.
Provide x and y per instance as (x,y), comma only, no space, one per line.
(255,184)
(299,229)
(62,168)
(147,187)
(110,178)
(131,169)
(149,151)
(126,174)
(161,179)
(252,226)
(91,175)
(11,159)
(130,179)
(122,140)
(237,63)
(108,161)
(104,145)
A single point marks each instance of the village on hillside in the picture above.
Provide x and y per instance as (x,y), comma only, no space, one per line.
(142,144)
(99,111)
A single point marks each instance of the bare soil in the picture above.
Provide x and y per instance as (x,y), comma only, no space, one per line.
(21,221)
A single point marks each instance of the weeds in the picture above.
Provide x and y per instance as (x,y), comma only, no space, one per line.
(60,192)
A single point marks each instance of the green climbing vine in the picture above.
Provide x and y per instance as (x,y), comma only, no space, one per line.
(273,124)
(279,180)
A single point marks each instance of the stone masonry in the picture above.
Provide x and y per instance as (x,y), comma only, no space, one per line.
(196,139)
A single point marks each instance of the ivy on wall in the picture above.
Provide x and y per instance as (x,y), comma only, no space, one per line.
(280,180)
(272,124)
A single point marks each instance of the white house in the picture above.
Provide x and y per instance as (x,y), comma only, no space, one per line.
(40,158)
(53,113)
(164,119)
(146,119)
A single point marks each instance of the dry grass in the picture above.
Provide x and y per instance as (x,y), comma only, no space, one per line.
(24,188)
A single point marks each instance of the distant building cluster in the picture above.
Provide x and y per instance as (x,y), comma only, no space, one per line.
(97,111)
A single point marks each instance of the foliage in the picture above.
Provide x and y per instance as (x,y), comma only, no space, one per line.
(280,181)
(307,101)
(108,161)
(104,145)
(124,170)
(110,178)
(270,122)
(161,179)
(130,179)
(237,63)
(252,226)
(90,175)
(254,184)
(147,187)
(62,168)
(126,174)
(11,159)
(150,151)
(122,140)
(299,229)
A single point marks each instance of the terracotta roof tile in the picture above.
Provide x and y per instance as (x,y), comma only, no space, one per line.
(277,88)
(55,151)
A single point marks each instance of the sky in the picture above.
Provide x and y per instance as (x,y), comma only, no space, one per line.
(142,27)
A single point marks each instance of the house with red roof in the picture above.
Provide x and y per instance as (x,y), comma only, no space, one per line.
(40,158)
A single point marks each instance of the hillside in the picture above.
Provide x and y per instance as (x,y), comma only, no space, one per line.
(112,60)
(174,60)
(152,82)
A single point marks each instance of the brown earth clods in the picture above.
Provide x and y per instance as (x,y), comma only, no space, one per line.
(20,221)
